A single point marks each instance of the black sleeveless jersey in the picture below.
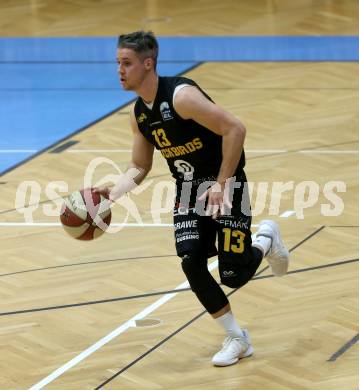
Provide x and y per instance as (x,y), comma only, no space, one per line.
(192,151)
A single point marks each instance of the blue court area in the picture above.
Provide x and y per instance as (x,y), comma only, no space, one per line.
(51,88)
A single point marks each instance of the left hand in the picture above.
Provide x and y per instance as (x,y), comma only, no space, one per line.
(102,191)
(218,200)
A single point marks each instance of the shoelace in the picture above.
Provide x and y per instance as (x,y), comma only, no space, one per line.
(228,340)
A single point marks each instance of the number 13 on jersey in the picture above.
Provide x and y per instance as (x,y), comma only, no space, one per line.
(161,138)
(233,240)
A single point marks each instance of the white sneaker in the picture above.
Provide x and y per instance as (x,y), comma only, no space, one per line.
(278,254)
(233,349)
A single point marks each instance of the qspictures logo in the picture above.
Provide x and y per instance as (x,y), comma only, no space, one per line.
(262,198)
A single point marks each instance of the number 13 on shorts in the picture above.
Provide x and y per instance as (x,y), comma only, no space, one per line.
(233,240)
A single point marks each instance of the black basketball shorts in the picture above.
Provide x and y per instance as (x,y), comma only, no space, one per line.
(197,234)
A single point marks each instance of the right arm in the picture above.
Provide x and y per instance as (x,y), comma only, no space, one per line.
(140,165)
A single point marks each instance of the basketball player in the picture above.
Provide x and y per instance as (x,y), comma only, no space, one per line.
(203,146)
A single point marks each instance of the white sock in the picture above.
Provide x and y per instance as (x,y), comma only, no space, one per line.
(229,324)
(263,243)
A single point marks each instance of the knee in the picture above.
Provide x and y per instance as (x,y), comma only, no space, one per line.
(187,264)
(233,280)
(191,265)
(195,270)
(236,276)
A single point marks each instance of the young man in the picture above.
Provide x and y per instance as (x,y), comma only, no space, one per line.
(203,146)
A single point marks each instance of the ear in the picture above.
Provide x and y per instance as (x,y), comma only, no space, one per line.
(148,63)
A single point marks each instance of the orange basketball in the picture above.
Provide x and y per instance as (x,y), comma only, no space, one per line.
(86,214)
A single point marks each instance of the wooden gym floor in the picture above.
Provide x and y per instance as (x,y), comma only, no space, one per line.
(60,297)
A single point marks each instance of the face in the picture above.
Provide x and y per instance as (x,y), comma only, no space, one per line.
(132,69)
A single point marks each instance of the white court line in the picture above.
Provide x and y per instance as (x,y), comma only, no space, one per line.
(99,151)
(18,150)
(287,214)
(55,224)
(130,150)
(102,151)
(329,151)
(122,328)
(261,151)
(265,150)
(58,224)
